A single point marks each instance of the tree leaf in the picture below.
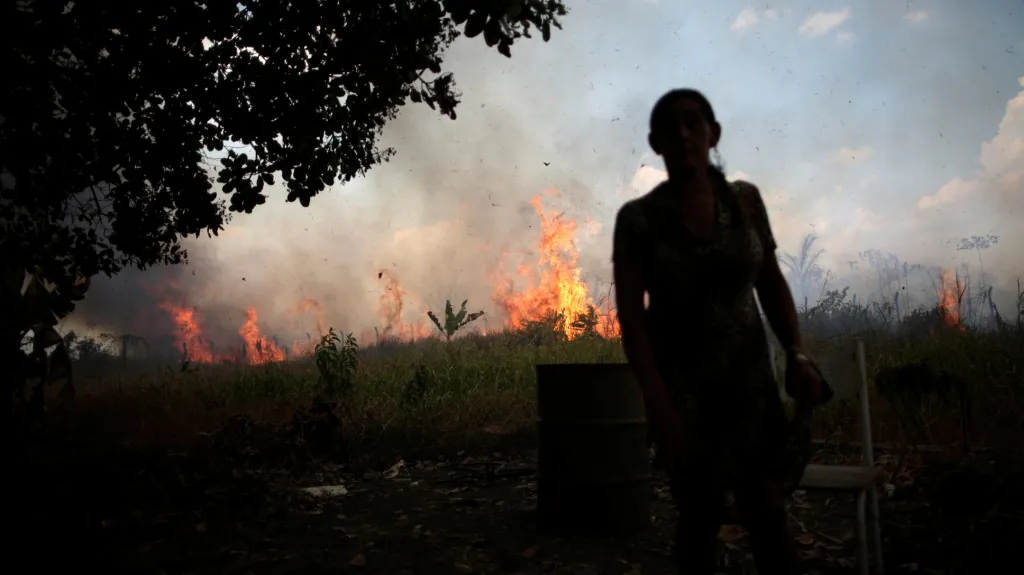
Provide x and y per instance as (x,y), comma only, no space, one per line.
(515,9)
(492,31)
(286,107)
(475,24)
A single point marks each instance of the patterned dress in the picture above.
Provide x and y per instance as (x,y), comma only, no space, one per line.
(709,340)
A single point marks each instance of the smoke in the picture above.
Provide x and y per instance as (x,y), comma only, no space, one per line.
(840,145)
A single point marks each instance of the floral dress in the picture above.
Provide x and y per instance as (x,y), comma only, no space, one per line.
(709,340)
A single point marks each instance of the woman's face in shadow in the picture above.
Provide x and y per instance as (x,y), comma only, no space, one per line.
(685,140)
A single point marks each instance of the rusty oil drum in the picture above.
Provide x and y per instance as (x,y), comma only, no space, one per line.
(594,471)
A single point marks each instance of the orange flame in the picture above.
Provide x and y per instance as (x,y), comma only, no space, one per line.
(188,336)
(949,301)
(257,348)
(559,288)
(554,285)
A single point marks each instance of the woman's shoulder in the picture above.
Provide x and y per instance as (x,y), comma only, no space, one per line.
(635,213)
(744,188)
(646,201)
(748,195)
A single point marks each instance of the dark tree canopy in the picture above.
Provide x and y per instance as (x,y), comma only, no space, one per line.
(109,111)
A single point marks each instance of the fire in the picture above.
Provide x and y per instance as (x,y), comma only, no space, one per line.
(257,348)
(188,336)
(559,288)
(390,306)
(949,301)
(553,285)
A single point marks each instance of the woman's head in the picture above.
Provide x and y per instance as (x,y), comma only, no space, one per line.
(684,130)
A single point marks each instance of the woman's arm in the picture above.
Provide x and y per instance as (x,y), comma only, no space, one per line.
(772,289)
(777,303)
(665,423)
(636,340)
(803,382)
(629,253)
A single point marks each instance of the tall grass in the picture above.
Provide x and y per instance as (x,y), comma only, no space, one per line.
(433,392)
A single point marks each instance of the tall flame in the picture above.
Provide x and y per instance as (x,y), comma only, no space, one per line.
(554,285)
(257,348)
(559,288)
(390,308)
(188,336)
(949,300)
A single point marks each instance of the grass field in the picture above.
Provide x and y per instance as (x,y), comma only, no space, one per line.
(201,468)
(432,393)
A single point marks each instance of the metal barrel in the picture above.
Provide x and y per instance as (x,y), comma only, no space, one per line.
(594,472)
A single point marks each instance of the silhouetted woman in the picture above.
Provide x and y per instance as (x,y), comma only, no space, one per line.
(698,246)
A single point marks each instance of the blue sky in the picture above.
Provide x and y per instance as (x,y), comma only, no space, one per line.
(890,125)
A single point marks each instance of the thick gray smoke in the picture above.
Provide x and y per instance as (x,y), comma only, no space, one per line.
(863,156)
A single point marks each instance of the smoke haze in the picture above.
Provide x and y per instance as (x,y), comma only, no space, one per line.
(897,128)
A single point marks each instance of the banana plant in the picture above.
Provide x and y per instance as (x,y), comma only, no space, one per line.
(28,306)
(337,360)
(453,321)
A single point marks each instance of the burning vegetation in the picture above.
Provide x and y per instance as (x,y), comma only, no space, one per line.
(951,292)
(552,290)
(546,290)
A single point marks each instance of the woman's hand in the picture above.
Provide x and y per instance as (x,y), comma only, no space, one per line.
(803,382)
(670,438)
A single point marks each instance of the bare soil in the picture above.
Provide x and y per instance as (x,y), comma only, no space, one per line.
(237,503)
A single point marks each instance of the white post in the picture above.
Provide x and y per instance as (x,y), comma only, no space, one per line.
(874,531)
(865,407)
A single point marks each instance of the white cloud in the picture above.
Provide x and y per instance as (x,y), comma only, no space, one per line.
(1003,155)
(916,16)
(989,201)
(1002,167)
(644,180)
(750,17)
(746,19)
(950,192)
(821,23)
(848,156)
(844,37)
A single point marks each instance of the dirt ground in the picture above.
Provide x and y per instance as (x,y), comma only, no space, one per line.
(240,504)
